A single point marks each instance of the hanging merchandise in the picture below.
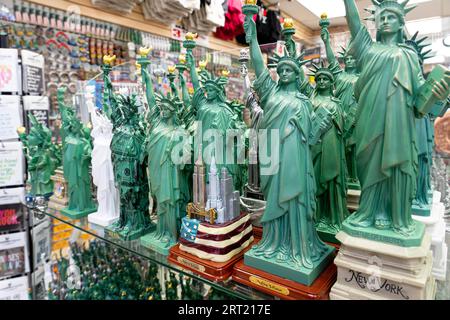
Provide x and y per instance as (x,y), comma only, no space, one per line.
(268,26)
(6,14)
(122,6)
(210,16)
(215,13)
(234,20)
(169,11)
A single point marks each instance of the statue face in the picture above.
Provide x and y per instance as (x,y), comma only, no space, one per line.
(287,74)
(211,92)
(166,113)
(323,82)
(389,23)
(350,62)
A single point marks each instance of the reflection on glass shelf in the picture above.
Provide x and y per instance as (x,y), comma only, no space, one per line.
(86,230)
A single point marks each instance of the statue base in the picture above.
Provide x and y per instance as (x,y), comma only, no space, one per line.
(374,270)
(149,241)
(301,275)
(77,214)
(58,206)
(353,199)
(113,232)
(421,210)
(327,236)
(353,185)
(59,199)
(284,288)
(213,271)
(424,210)
(435,227)
(101,219)
(386,236)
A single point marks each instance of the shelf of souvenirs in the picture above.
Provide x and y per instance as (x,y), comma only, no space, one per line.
(134,247)
(43,20)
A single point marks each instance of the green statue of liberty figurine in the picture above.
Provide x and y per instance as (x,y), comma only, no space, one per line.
(128,157)
(425,139)
(143,62)
(188,114)
(386,144)
(77,151)
(290,246)
(216,122)
(42,157)
(184,112)
(344,91)
(168,182)
(329,157)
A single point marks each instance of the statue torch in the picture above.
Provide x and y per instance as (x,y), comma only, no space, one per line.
(287,32)
(324,23)
(249,8)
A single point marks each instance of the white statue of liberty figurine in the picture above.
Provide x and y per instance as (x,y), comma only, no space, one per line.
(102,170)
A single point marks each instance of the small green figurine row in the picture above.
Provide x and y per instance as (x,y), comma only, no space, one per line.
(360,126)
(101,272)
(144,144)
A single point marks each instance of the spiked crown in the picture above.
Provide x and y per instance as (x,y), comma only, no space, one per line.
(400,8)
(169,102)
(296,61)
(330,71)
(207,78)
(418,46)
(343,53)
(127,104)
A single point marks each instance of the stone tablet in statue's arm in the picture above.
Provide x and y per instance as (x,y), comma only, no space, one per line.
(426,100)
(321,122)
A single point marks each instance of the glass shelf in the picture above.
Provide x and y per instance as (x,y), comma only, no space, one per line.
(229,287)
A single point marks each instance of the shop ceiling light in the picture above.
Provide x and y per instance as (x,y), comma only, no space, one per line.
(333,8)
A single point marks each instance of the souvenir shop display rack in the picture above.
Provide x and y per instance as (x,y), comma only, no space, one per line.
(134,248)
(20,258)
(87,232)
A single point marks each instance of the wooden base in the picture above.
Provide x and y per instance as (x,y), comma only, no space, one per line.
(336,245)
(214,271)
(257,232)
(283,288)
